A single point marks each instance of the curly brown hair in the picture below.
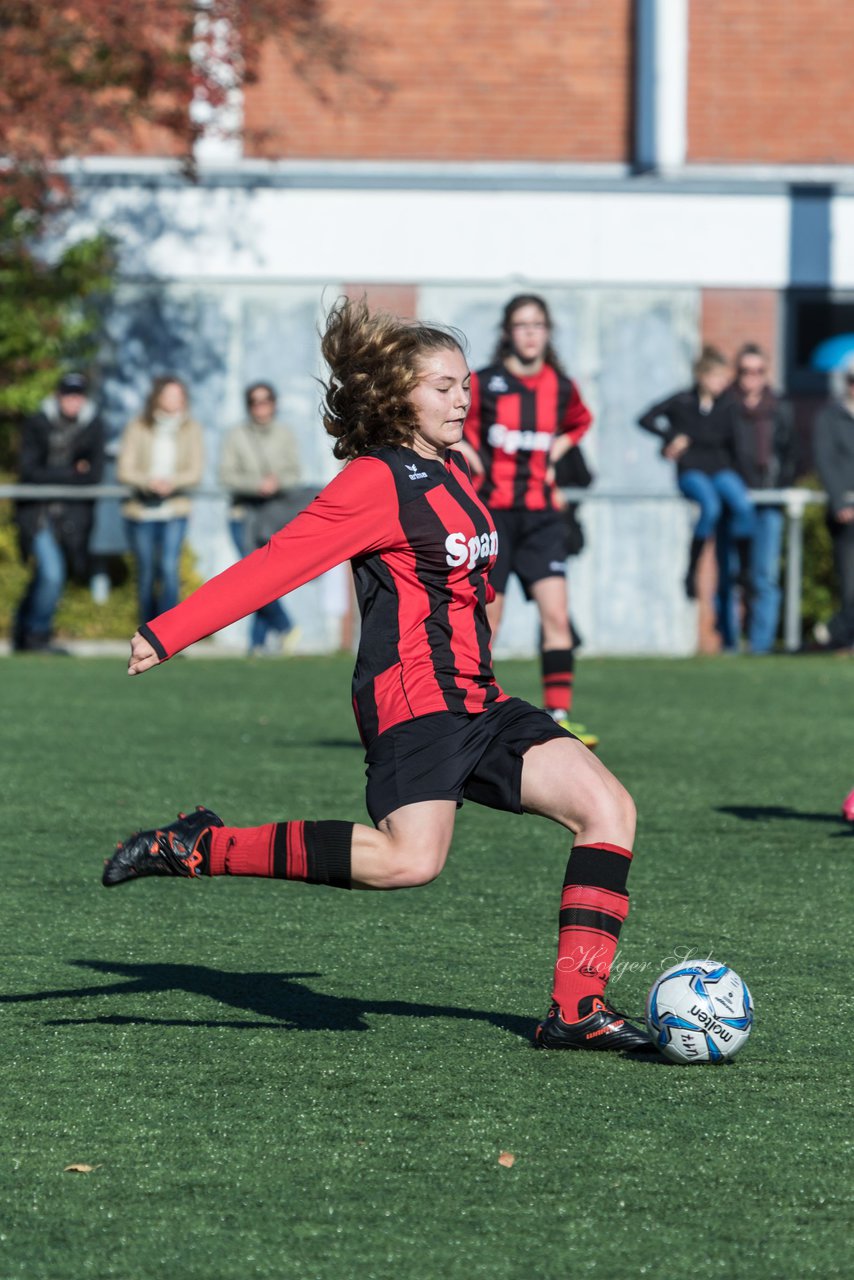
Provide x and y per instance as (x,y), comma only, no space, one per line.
(373,368)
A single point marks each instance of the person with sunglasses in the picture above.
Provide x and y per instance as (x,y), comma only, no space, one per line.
(259,465)
(833,446)
(764,444)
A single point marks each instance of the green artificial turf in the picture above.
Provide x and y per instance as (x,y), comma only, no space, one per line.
(281,1081)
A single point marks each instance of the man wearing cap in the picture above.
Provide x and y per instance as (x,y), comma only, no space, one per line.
(63,444)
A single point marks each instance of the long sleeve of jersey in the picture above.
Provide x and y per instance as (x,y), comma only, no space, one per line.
(578,419)
(355,514)
(472,428)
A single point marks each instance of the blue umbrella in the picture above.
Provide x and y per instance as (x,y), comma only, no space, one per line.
(832,353)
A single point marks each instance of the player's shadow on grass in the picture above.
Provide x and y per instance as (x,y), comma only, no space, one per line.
(762,812)
(276,1000)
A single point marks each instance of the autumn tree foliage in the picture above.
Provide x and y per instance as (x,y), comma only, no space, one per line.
(79,78)
(82,78)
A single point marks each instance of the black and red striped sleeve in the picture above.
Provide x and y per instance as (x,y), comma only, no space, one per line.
(577,419)
(473,424)
(355,514)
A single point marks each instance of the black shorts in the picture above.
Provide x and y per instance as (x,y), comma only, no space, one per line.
(531,544)
(454,756)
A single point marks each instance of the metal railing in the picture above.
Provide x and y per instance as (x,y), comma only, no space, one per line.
(793,502)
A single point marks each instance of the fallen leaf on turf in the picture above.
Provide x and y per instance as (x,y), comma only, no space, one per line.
(81,1168)
(507,1159)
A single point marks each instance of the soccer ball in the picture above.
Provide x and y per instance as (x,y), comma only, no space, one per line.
(699,1011)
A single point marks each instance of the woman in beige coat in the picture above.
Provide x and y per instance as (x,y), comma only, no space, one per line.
(161,458)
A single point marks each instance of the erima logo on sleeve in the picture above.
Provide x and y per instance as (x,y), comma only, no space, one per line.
(414,473)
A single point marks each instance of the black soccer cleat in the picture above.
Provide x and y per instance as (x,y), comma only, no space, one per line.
(600,1028)
(181,849)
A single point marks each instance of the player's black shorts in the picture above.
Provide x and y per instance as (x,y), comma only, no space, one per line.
(454,756)
(531,544)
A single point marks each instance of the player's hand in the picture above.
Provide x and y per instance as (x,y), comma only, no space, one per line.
(845,515)
(142,655)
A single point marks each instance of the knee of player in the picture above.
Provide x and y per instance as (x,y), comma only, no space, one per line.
(417,869)
(611,804)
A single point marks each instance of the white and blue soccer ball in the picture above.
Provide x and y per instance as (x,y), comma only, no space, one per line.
(699,1011)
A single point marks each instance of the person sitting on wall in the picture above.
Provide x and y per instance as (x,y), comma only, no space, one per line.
(696,430)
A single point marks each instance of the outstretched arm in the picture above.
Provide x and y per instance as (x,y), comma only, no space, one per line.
(356,513)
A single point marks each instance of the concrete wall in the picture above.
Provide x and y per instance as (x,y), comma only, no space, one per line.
(625,347)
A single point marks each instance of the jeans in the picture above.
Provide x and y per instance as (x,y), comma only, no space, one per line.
(274,616)
(765,572)
(764,609)
(45,588)
(724,489)
(156,546)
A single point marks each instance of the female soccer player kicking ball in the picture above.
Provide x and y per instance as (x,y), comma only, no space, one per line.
(436,726)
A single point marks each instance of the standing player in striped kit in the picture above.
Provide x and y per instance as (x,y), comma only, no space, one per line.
(525,415)
(436,726)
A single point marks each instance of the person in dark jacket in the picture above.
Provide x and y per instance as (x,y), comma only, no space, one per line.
(763,432)
(695,427)
(833,445)
(61,445)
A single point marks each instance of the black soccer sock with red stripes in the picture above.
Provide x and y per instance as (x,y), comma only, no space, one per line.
(316,852)
(593,906)
(558,667)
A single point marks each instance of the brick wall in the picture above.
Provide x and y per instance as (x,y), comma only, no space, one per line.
(771,83)
(398,299)
(729,317)
(140,139)
(546,80)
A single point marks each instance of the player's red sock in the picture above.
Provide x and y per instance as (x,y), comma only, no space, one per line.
(318,852)
(557,666)
(593,906)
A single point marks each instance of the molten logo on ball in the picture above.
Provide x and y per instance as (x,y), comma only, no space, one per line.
(699,1012)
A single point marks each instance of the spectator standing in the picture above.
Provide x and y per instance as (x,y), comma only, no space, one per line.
(525,416)
(696,430)
(63,444)
(161,458)
(833,446)
(764,447)
(259,465)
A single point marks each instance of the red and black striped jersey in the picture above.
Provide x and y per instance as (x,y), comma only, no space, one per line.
(420,543)
(512,423)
